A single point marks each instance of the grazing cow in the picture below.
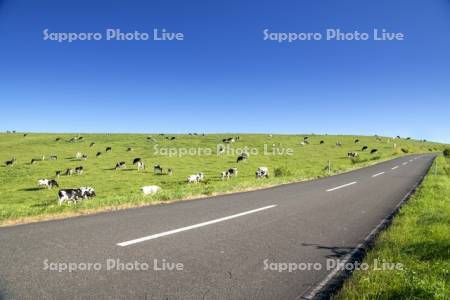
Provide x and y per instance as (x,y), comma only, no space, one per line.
(306,142)
(98,154)
(220,150)
(242,157)
(57,139)
(229,173)
(139,163)
(48,183)
(169,172)
(73,195)
(53,157)
(302,143)
(79,170)
(84,157)
(58,173)
(33,161)
(25,134)
(172,138)
(11,162)
(373,151)
(322,142)
(262,172)
(91,144)
(78,155)
(356,141)
(305,138)
(69,195)
(195,178)
(69,172)
(43,182)
(157,169)
(353,154)
(120,165)
(339,144)
(150,189)
(52,183)
(129,149)
(87,192)
(364,148)
(229,140)
(108,149)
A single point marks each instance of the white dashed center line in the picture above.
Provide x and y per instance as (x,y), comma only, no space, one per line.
(394,168)
(378,174)
(341,186)
(158,235)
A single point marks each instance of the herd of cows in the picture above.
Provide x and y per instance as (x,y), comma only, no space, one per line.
(75,195)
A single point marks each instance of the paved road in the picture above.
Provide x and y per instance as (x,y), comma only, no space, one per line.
(223,245)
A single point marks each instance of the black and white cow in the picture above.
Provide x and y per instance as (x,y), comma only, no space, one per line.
(69,195)
(129,149)
(75,195)
(353,154)
(229,173)
(157,169)
(364,148)
(139,163)
(91,144)
(11,162)
(120,165)
(195,178)
(322,142)
(373,151)
(262,172)
(357,141)
(339,143)
(108,149)
(242,157)
(98,154)
(84,157)
(48,183)
(58,173)
(69,172)
(79,170)
(53,157)
(169,171)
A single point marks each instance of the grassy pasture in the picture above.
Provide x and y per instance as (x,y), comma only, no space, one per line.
(20,198)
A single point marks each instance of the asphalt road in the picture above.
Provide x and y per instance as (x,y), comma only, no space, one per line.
(225,247)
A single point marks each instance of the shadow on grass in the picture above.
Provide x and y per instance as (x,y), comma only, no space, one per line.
(32,189)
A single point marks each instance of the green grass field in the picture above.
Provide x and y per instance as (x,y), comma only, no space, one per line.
(419,239)
(22,200)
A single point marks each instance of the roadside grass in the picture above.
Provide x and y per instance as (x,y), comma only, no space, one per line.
(419,239)
(21,200)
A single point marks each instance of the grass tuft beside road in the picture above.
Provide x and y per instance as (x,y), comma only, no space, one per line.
(419,239)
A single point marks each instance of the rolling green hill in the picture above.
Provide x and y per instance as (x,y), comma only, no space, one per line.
(22,200)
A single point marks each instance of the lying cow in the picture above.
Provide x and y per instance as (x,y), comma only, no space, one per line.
(262,172)
(150,189)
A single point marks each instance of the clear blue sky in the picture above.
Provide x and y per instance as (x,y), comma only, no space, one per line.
(224,77)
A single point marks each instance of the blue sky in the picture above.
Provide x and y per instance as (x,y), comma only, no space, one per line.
(224,77)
